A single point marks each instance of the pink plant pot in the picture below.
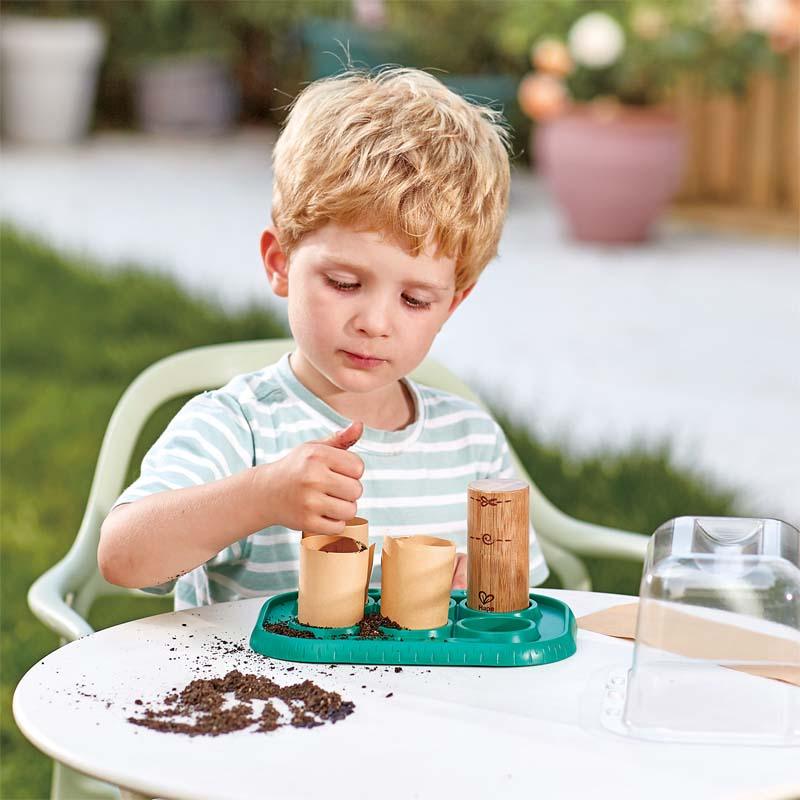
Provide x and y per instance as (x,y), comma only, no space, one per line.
(613,174)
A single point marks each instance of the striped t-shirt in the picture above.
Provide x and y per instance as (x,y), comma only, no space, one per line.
(415,479)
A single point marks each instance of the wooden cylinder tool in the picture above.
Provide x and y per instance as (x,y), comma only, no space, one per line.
(497,545)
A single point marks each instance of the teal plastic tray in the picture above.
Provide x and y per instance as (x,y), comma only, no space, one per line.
(541,634)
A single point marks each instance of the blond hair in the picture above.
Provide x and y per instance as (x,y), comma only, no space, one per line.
(396,152)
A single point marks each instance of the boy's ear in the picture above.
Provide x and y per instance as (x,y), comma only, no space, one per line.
(458,299)
(276,264)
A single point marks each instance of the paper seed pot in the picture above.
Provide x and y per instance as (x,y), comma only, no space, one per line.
(416,575)
(334,577)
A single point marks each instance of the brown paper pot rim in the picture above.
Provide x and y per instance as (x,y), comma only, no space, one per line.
(421,539)
(357,528)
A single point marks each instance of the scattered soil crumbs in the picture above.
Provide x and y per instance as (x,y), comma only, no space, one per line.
(286,630)
(369,627)
(203,703)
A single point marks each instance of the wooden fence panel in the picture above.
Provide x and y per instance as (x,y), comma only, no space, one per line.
(760,174)
(723,116)
(744,152)
(687,102)
(790,145)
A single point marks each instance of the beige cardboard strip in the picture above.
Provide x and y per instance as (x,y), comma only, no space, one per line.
(358,529)
(416,576)
(696,637)
(334,574)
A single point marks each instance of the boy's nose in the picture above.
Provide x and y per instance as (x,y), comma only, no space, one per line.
(373,320)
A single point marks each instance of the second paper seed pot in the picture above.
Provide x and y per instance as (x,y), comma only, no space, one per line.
(416,575)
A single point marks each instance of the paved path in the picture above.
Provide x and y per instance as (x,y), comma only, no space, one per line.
(693,338)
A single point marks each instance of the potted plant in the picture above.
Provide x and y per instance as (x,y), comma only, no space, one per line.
(607,141)
(179,55)
(453,39)
(49,72)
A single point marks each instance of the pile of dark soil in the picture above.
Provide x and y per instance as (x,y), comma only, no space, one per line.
(202,702)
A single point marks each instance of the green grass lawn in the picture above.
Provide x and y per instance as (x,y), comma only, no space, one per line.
(74,336)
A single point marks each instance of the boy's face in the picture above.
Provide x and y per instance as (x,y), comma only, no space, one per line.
(363,312)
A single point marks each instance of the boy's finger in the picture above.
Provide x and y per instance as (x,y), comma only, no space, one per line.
(347,464)
(326,527)
(346,437)
(336,509)
(343,487)
(460,572)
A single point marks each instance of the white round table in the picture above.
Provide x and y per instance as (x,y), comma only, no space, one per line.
(463,732)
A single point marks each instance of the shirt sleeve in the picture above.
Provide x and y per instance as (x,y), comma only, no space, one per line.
(502,467)
(209,438)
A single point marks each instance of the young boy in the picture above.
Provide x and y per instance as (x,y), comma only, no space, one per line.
(389,197)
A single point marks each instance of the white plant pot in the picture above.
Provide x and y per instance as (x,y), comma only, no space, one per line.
(49,77)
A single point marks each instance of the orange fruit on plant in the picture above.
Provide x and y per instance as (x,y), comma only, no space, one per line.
(542,96)
(551,56)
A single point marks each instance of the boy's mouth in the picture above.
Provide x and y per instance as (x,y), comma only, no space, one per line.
(362,361)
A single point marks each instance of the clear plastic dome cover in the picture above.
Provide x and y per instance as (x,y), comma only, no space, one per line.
(717,650)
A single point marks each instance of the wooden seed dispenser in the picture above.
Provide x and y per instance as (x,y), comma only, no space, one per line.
(498,545)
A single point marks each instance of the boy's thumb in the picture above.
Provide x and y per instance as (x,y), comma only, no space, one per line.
(346,437)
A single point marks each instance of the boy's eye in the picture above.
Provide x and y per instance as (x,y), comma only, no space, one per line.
(349,286)
(415,302)
(342,286)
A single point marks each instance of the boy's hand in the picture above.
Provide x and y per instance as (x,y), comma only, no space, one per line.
(460,572)
(316,486)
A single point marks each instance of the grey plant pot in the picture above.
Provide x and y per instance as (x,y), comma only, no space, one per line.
(187,95)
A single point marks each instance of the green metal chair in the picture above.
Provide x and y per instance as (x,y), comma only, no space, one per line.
(62,597)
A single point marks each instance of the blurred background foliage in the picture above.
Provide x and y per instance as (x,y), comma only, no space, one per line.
(275,46)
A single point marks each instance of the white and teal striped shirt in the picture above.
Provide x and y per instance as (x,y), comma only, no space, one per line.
(415,479)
